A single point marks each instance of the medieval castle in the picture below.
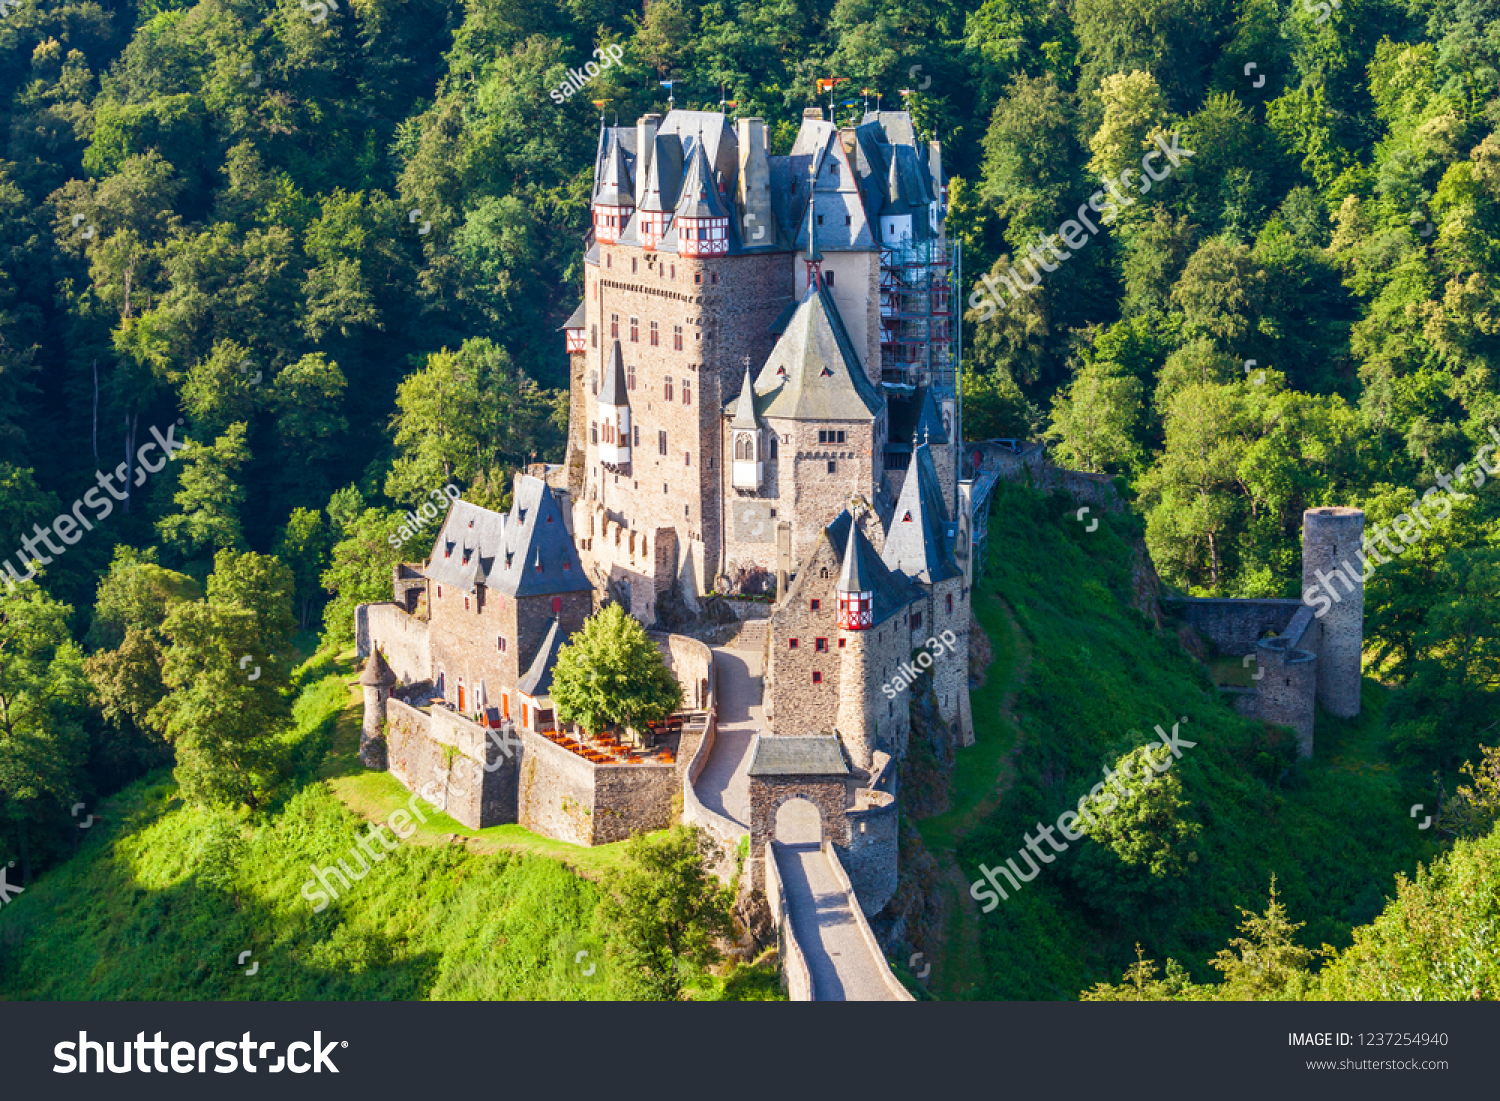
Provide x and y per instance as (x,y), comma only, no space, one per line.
(764,402)
(764,413)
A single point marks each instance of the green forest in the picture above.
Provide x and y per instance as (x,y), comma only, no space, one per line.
(316,254)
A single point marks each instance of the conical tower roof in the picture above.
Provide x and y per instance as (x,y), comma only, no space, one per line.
(613,391)
(744,408)
(700,194)
(615,185)
(852,577)
(377,673)
(917,543)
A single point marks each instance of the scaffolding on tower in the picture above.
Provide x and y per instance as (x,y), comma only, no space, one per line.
(919,320)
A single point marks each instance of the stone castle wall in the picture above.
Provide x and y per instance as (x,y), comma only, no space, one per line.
(1233,625)
(443,757)
(870,857)
(402,638)
(724,307)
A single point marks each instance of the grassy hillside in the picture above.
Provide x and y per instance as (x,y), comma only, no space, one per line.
(1079,678)
(162,899)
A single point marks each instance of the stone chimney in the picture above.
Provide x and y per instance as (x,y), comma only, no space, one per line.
(645,149)
(814,113)
(753,195)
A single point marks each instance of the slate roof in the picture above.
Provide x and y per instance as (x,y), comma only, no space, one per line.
(578,319)
(615,186)
(501,551)
(700,196)
(377,673)
(613,391)
(797,755)
(915,417)
(744,406)
(891,592)
(538,679)
(917,542)
(823,380)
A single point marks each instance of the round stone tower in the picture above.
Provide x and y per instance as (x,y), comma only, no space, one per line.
(377,682)
(1331,564)
(1286,681)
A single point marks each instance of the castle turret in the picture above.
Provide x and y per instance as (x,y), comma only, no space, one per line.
(1332,552)
(614,415)
(702,219)
(856,615)
(856,598)
(1287,680)
(614,197)
(744,431)
(377,682)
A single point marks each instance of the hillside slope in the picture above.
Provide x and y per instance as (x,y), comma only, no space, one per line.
(1334,830)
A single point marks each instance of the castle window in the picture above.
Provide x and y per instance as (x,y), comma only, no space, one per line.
(614,327)
(916,620)
(817,677)
(713,277)
(841,644)
(828,279)
(661,442)
(773,455)
(687,458)
(687,391)
(538,565)
(637,433)
(632,265)
(950,603)
(594,334)
(823,573)
(833,467)
(609,261)
(848,220)
(655,334)
(667,387)
(820,219)
(830,436)
(557,605)
(791,644)
(440,591)
(820,645)
(466,604)
(674,271)
(635,330)
(815,605)
(677,338)
(500,643)
(593,431)
(594,383)
(697,275)
(630,375)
